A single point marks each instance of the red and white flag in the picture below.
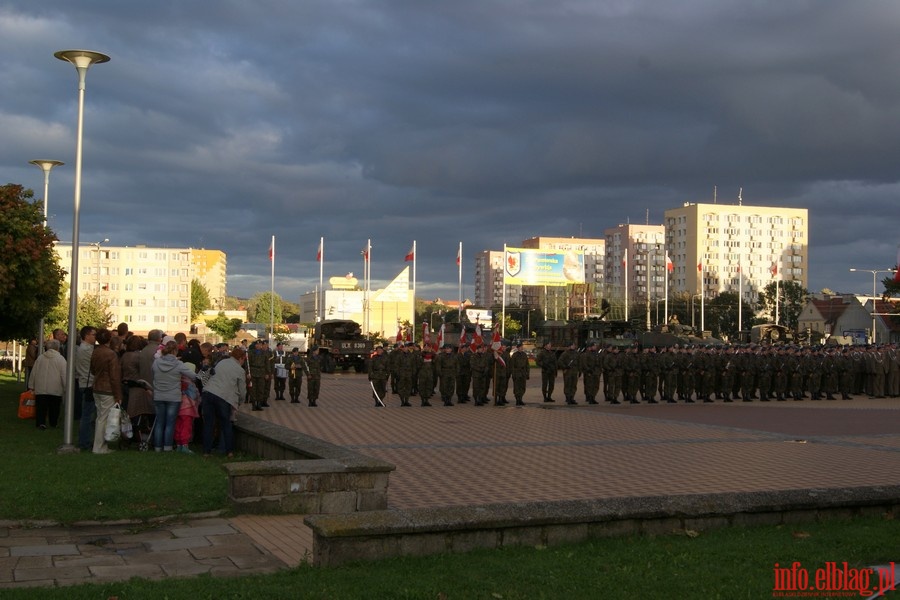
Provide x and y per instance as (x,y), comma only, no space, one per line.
(495,339)
(320,251)
(426,335)
(411,255)
(272,249)
(625,260)
(478,338)
(774,269)
(897,272)
(459,255)
(440,339)
(365,254)
(409,336)
(700,267)
(670,266)
(399,337)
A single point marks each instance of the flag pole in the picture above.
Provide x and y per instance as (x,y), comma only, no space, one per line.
(503,305)
(777,292)
(459,265)
(666,291)
(625,280)
(412,318)
(702,321)
(272,293)
(321,272)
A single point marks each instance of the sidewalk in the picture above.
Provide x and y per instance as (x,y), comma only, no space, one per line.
(466,455)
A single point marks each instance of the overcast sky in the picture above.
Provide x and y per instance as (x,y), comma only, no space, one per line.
(218,124)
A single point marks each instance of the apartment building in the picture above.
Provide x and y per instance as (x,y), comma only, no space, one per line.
(740,248)
(146,287)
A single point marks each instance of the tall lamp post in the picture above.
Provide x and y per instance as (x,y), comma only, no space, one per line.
(874,273)
(97,245)
(82,60)
(46,166)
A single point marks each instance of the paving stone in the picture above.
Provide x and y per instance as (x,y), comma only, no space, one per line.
(223,529)
(177,544)
(50,573)
(124,572)
(45,550)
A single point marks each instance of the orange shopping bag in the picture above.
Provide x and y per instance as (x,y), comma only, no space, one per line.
(26,405)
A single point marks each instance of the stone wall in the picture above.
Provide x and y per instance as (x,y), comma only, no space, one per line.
(301,474)
(338,539)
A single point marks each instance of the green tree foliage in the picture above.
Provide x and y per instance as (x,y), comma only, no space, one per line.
(223,326)
(722,315)
(793,299)
(199,299)
(290,311)
(511,327)
(92,310)
(30,278)
(260,308)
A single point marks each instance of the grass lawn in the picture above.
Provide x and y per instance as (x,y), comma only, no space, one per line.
(734,563)
(39,483)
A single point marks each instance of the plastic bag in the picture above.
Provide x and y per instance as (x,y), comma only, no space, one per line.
(113,424)
(127,429)
(26,405)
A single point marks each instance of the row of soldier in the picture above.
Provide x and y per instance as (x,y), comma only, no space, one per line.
(635,374)
(725,373)
(286,371)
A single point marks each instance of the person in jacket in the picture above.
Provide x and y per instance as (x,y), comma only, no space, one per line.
(107,373)
(222,394)
(167,373)
(48,381)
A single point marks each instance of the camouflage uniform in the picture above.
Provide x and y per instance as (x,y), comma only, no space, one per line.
(406,368)
(379,371)
(591,369)
(464,375)
(260,374)
(546,360)
(501,375)
(296,366)
(480,362)
(568,360)
(315,363)
(519,370)
(447,364)
(425,375)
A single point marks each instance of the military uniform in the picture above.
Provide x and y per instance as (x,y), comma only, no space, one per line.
(379,372)
(481,362)
(464,375)
(260,374)
(447,365)
(296,366)
(591,369)
(519,369)
(546,360)
(569,362)
(501,375)
(316,364)
(425,375)
(406,368)
(612,374)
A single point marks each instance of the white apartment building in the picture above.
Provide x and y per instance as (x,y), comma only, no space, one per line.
(145,287)
(635,263)
(736,248)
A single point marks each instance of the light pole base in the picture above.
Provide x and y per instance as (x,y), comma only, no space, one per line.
(68,449)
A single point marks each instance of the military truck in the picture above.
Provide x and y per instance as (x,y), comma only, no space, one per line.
(771,333)
(345,341)
(561,334)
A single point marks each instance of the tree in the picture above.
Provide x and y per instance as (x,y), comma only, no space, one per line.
(793,297)
(290,311)
(511,327)
(722,315)
(260,308)
(92,310)
(30,278)
(199,299)
(226,328)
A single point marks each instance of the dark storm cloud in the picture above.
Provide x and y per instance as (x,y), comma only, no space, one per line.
(219,125)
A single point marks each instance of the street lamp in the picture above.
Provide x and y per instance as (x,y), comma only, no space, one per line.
(46,166)
(82,60)
(692,307)
(874,273)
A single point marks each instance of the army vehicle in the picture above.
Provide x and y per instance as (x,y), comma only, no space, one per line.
(345,341)
(561,334)
(769,333)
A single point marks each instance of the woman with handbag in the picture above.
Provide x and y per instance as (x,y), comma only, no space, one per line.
(107,374)
(167,373)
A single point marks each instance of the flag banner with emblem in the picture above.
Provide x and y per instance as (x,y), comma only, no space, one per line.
(525,266)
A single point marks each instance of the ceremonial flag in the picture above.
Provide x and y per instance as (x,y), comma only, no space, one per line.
(495,340)
(409,335)
(411,255)
(670,266)
(700,267)
(440,340)
(477,339)
(459,255)
(625,260)
(321,250)
(399,337)
(774,269)
(272,249)
(426,335)
(365,254)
